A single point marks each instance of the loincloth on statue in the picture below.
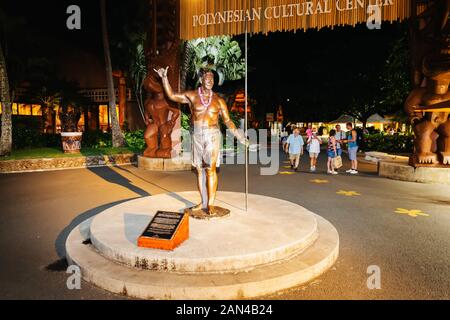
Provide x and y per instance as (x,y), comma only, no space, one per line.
(206,145)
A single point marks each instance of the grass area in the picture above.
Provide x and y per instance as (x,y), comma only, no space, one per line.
(37,153)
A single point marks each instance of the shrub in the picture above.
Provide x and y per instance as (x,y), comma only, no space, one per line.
(135,139)
(51,140)
(185,121)
(96,139)
(391,144)
(26,132)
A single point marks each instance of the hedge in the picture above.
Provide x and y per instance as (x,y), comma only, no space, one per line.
(389,143)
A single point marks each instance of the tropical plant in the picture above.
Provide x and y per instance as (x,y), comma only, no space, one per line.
(48,100)
(135,140)
(382,91)
(395,78)
(118,138)
(70,111)
(219,53)
(138,72)
(71,104)
(70,114)
(96,139)
(397,143)
(185,121)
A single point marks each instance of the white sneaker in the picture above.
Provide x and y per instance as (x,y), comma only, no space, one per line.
(334,172)
(354,172)
(313,169)
(349,171)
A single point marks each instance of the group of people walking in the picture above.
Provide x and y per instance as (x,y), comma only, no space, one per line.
(294,146)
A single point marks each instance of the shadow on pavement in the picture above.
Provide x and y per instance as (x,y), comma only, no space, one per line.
(145,180)
(108,174)
(60,243)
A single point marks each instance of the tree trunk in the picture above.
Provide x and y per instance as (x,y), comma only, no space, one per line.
(185,65)
(118,139)
(364,121)
(5,98)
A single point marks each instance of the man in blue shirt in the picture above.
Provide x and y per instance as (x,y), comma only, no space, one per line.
(294,146)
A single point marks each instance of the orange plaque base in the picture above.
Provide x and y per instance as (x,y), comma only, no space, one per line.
(166,231)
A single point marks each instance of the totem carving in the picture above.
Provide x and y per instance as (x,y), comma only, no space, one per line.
(428,105)
(163,49)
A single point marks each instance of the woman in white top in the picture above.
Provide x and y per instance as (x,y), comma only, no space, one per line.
(314,143)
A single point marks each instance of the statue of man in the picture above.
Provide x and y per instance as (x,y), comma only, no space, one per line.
(205,106)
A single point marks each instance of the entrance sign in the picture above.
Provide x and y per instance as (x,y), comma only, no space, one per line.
(204,18)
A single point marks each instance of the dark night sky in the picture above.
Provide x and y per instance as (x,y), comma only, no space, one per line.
(49,17)
(304,67)
(309,67)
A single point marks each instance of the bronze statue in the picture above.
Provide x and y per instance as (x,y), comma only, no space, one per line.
(428,105)
(205,106)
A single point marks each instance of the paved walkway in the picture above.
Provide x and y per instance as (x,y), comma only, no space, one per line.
(401,227)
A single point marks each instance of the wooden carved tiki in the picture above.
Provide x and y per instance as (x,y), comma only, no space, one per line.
(428,105)
(163,46)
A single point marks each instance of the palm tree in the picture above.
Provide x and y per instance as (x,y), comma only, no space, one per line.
(138,72)
(118,139)
(186,57)
(48,101)
(5,98)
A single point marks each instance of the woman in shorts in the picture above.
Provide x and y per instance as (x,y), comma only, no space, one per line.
(314,143)
(332,152)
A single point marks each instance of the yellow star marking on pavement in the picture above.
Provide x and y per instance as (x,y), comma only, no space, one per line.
(287,167)
(286,172)
(412,213)
(318,181)
(348,193)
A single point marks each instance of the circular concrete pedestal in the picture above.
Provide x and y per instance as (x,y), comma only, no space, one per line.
(274,245)
(401,170)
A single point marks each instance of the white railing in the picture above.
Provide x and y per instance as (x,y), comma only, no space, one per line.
(101,95)
(96,95)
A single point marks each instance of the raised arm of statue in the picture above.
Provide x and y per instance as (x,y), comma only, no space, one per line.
(229,123)
(176,97)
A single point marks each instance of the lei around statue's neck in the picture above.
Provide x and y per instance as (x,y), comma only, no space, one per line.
(206,91)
